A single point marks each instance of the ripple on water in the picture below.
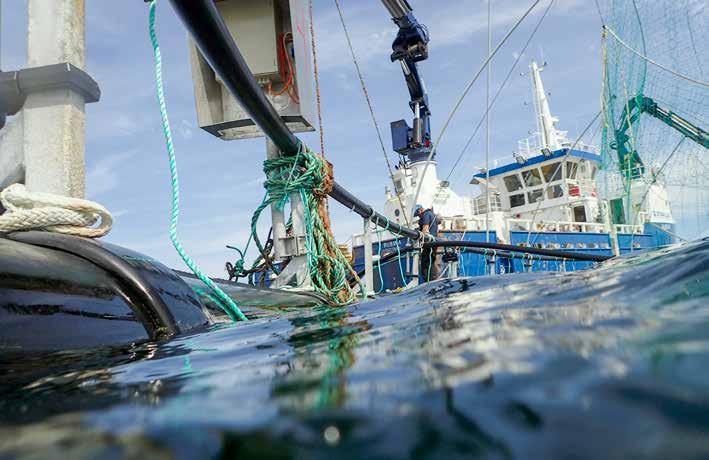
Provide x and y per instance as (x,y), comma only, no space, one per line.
(604,363)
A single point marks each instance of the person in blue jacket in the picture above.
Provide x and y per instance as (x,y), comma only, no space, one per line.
(428,224)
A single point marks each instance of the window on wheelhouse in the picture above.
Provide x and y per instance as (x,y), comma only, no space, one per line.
(513,183)
(552,172)
(532,177)
(555,191)
(535,195)
(571,167)
(517,200)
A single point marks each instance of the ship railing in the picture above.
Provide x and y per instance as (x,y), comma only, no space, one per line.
(567,144)
(479,204)
(466,224)
(630,229)
(527,225)
(532,145)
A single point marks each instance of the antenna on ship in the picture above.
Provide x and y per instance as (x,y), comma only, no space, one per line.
(546,122)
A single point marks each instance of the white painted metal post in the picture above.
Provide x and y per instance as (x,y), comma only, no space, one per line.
(610,227)
(54,120)
(300,262)
(453,270)
(292,245)
(368,257)
(277,216)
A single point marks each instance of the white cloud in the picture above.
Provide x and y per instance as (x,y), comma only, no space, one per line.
(103,176)
(372,33)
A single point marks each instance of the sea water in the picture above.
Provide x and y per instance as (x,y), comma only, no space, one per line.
(610,362)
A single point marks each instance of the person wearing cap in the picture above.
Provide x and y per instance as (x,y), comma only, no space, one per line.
(428,224)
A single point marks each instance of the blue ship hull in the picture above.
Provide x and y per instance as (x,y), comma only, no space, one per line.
(396,273)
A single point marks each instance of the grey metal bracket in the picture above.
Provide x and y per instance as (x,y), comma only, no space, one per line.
(17,84)
(294,246)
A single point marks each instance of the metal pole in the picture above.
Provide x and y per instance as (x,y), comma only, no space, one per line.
(487,123)
(368,258)
(54,119)
(0,35)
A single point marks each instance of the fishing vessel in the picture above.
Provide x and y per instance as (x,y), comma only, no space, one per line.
(552,193)
(107,352)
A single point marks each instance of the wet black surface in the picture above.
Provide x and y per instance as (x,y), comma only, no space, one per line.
(605,363)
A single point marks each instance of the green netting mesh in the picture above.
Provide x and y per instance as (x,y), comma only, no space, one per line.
(674,34)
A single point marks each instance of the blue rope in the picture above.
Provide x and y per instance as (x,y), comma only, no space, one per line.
(225,301)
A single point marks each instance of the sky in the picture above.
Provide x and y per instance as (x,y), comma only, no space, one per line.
(221,182)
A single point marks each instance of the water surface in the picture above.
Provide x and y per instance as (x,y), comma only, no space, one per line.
(611,362)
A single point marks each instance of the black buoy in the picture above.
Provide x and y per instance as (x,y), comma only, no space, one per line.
(61,292)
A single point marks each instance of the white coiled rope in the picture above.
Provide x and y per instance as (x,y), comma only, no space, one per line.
(53,213)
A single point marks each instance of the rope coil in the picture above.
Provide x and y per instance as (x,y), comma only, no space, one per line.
(310,176)
(53,213)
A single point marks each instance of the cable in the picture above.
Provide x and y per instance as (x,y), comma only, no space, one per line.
(317,77)
(227,304)
(465,93)
(502,87)
(371,112)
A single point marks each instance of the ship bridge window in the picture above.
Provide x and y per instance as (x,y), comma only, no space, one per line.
(552,172)
(513,183)
(535,195)
(555,191)
(571,168)
(532,177)
(517,200)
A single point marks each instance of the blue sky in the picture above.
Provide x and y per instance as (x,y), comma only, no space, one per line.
(221,182)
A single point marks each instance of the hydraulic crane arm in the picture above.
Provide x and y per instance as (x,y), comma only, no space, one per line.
(631,164)
(409,47)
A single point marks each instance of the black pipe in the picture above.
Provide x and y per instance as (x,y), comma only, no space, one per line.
(208,30)
(341,195)
(524,249)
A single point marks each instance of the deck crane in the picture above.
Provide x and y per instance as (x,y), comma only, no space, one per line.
(632,166)
(410,47)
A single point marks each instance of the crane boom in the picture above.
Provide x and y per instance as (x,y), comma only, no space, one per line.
(632,166)
(410,47)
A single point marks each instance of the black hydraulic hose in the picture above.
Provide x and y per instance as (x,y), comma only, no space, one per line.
(341,195)
(208,30)
(524,249)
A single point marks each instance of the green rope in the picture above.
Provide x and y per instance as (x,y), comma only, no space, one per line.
(224,300)
(304,174)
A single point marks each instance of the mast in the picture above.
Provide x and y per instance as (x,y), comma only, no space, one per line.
(487,123)
(545,121)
